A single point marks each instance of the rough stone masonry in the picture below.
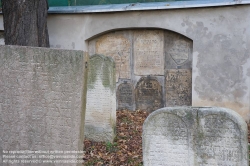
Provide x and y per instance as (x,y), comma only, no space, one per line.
(42,103)
(190,136)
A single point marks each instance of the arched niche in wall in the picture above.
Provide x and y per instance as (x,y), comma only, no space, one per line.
(145,52)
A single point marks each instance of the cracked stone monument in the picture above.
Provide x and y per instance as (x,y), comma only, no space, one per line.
(101,99)
(188,136)
(42,102)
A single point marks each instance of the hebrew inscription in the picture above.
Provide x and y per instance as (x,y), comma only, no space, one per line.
(187,136)
(178,87)
(101,99)
(166,141)
(178,51)
(220,142)
(118,47)
(148,52)
(148,94)
(125,96)
(41,99)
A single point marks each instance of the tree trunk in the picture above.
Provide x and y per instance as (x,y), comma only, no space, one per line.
(25,22)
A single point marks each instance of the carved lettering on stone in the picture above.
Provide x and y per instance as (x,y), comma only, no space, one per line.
(178,51)
(101,99)
(118,47)
(167,137)
(125,96)
(148,52)
(148,94)
(220,141)
(41,99)
(178,87)
(187,136)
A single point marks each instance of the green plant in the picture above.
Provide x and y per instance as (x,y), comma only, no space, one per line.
(126,120)
(111,147)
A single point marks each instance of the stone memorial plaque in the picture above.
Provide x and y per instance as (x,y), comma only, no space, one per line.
(178,51)
(188,136)
(148,94)
(178,87)
(118,47)
(42,101)
(101,99)
(125,96)
(148,52)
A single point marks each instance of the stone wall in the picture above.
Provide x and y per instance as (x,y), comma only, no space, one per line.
(154,64)
(42,101)
(220,36)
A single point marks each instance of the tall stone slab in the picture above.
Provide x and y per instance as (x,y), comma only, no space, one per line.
(188,136)
(148,52)
(42,100)
(101,99)
(148,94)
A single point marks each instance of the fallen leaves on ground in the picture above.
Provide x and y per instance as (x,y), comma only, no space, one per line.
(126,150)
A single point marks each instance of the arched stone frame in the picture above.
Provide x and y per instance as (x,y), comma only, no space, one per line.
(175,52)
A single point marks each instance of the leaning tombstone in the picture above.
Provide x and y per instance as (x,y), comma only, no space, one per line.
(187,136)
(101,99)
(42,105)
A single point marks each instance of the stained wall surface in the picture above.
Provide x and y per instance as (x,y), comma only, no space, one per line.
(187,136)
(221,41)
(221,60)
(42,101)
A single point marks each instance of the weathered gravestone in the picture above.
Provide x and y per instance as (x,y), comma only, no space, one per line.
(101,99)
(178,87)
(42,102)
(148,94)
(148,52)
(188,136)
(125,96)
(178,51)
(117,46)
(155,53)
